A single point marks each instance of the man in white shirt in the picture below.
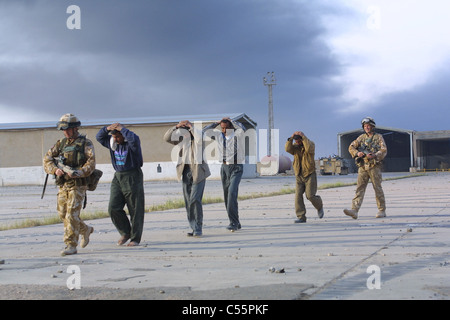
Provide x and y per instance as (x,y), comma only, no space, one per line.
(231,153)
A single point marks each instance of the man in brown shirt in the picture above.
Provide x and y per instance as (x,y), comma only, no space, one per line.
(304,166)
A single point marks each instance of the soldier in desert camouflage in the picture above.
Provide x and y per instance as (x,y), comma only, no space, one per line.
(71,160)
(368,150)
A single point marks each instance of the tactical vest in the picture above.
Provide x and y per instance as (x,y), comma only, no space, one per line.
(369,145)
(74,153)
(74,157)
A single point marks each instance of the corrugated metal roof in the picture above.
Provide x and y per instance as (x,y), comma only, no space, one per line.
(130,121)
(378,127)
(420,135)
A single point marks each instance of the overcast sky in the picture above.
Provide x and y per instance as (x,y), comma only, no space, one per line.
(335,62)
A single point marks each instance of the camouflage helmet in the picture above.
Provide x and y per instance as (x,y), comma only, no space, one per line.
(368,120)
(68,121)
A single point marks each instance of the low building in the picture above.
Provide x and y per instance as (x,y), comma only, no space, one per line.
(24,146)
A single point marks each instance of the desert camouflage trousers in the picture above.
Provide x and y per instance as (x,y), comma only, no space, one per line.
(364,174)
(69,204)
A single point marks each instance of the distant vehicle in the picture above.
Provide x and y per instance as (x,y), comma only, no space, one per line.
(332,166)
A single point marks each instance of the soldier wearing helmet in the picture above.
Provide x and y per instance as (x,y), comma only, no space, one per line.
(68,121)
(368,150)
(76,153)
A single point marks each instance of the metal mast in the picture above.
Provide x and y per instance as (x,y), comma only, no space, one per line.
(269,81)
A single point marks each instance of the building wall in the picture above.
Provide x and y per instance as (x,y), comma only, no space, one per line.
(433,154)
(24,149)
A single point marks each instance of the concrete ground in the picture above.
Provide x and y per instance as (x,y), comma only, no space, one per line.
(403,256)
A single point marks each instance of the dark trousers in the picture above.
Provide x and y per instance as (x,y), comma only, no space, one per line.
(231,175)
(193,194)
(127,188)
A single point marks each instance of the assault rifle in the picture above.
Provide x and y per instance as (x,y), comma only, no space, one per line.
(364,149)
(59,162)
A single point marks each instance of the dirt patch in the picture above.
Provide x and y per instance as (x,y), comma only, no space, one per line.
(46,292)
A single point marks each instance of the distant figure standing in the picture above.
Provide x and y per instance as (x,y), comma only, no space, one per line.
(304,166)
(127,186)
(369,150)
(192,170)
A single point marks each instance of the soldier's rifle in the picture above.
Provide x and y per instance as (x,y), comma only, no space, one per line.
(366,150)
(59,162)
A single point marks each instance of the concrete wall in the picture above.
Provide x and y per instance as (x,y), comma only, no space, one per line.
(24,149)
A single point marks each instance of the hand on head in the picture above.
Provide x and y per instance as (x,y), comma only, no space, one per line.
(115,126)
(184,123)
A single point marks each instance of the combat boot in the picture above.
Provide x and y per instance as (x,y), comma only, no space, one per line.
(85,236)
(69,250)
(381,214)
(352,213)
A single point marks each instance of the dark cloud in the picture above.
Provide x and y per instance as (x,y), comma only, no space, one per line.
(159,57)
(423,108)
(187,55)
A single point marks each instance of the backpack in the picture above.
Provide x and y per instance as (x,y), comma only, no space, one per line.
(93,179)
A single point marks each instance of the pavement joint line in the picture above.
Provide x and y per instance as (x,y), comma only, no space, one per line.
(361,262)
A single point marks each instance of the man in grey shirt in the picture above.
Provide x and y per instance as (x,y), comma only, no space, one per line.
(232,155)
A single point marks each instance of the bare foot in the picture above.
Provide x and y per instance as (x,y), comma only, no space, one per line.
(123,240)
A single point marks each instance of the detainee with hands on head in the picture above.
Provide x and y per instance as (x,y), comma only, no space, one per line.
(231,152)
(127,186)
(303,150)
(192,171)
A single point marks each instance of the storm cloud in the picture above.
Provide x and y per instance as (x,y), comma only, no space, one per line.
(157,57)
